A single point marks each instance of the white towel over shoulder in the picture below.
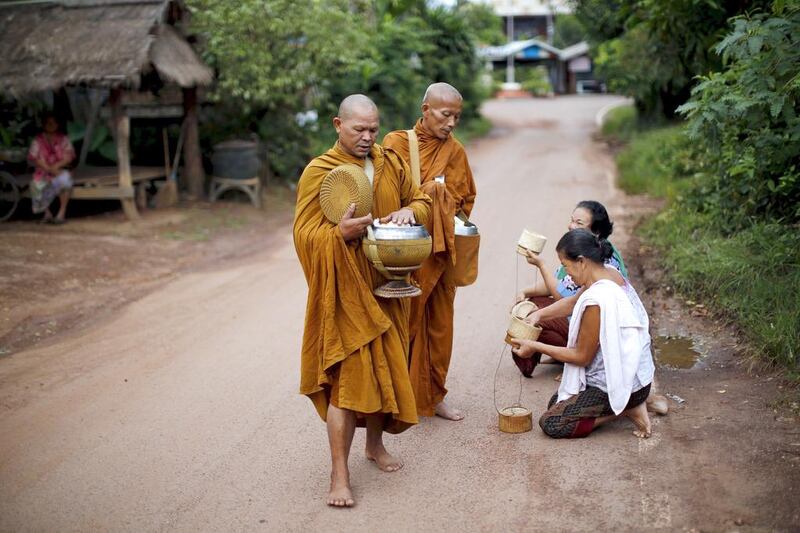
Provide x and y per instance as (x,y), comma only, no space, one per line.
(624,340)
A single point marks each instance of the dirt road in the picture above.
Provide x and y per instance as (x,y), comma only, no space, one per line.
(180,411)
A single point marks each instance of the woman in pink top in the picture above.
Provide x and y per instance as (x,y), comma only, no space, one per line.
(51,152)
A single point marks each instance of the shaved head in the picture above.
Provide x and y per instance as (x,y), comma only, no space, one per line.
(357,124)
(441,92)
(356,104)
(441,109)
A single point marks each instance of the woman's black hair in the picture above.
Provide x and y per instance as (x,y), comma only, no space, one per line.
(580,242)
(601,225)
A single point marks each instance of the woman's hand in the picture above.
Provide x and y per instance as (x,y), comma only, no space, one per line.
(520,297)
(533,259)
(524,348)
(534,318)
(353,228)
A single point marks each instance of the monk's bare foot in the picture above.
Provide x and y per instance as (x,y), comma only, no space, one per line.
(641,420)
(449,413)
(657,404)
(340,494)
(385,461)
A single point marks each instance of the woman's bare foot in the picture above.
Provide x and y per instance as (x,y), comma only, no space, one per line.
(385,461)
(340,495)
(657,404)
(641,420)
(449,413)
(558,377)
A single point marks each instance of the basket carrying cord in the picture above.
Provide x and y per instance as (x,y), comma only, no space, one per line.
(505,346)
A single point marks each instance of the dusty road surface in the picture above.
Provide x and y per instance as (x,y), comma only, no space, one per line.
(180,412)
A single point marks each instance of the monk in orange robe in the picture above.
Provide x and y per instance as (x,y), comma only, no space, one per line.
(354,361)
(446,177)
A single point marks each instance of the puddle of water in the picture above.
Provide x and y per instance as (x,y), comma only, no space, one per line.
(675,352)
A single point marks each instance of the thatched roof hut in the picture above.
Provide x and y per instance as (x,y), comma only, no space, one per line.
(102,43)
(106,44)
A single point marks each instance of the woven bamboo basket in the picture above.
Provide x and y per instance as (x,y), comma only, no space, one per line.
(515,419)
(345,185)
(517,327)
(530,241)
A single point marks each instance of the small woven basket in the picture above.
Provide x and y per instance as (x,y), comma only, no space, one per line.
(530,241)
(517,327)
(515,419)
(345,185)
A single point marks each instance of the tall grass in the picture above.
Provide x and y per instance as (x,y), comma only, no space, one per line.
(752,277)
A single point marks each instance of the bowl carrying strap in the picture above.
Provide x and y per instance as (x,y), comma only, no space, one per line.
(413,151)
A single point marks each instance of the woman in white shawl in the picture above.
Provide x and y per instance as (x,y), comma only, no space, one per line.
(608,364)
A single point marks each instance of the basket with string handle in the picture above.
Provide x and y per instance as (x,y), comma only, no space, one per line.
(345,185)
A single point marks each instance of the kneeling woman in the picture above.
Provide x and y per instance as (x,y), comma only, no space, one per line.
(608,365)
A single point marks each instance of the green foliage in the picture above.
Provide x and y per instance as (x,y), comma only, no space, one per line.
(745,121)
(316,53)
(102,143)
(485,26)
(568,30)
(751,277)
(535,80)
(652,50)
(267,52)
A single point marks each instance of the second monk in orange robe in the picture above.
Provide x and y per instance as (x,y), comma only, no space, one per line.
(443,157)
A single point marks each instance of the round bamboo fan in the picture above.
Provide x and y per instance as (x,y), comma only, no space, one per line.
(515,419)
(345,185)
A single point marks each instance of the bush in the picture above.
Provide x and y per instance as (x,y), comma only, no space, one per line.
(745,120)
(535,80)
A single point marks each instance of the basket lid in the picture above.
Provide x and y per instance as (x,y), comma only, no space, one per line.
(523,309)
(345,185)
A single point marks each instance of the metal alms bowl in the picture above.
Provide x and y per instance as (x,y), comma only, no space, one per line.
(466,229)
(395,252)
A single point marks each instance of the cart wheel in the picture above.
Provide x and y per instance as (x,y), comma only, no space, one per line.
(9,196)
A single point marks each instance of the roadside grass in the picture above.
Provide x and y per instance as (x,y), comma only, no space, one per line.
(751,277)
(652,163)
(620,124)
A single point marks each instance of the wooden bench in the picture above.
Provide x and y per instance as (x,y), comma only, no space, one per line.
(102,183)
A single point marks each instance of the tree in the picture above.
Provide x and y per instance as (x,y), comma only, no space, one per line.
(652,50)
(745,121)
(267,52)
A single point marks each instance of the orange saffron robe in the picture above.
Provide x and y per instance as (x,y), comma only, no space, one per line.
(355,345)
(431,320)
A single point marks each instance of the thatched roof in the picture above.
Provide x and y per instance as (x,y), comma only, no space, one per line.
(103,43)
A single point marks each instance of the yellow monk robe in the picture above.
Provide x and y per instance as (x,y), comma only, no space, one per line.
(431,320)
(355,345)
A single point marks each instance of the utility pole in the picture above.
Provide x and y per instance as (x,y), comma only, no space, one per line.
(510,57)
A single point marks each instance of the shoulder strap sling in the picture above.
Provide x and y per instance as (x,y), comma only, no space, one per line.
(413,150)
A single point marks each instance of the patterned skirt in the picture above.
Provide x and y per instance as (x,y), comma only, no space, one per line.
(574,417)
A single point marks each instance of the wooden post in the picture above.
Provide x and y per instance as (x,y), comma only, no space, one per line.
(122,127)
(194,177)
